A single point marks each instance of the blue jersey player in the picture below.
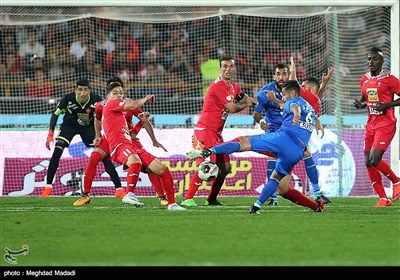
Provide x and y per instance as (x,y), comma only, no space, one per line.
(272,112)
(273,120)
(288,144)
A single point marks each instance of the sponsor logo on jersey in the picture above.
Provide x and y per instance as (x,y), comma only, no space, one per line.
(372,94)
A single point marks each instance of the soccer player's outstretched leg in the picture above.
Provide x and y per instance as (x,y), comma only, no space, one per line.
(288,144)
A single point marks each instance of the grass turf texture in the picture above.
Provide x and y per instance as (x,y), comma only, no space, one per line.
(107,233)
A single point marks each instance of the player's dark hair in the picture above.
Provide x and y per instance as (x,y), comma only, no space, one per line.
(111,86)
(280,66)
(292,85)
(83,82)
(376,50)
(115,79)
(225,58)
(313,81)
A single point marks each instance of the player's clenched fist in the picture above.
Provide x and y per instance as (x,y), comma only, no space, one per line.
(96,141)
(150,98)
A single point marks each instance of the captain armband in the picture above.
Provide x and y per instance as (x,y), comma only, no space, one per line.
(240,96)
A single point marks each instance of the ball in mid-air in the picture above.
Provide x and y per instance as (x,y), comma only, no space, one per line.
(208,171)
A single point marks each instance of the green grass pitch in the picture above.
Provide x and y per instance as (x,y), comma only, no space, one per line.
(350,232)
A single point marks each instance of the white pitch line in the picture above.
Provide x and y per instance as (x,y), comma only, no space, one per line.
(157,208)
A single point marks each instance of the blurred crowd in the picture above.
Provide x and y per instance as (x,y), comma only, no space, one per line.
(178,59)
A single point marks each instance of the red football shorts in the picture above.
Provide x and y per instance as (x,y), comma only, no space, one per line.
(380,138)
(104,145)
(137,143)
(146,158)
(208,139)
(123,152)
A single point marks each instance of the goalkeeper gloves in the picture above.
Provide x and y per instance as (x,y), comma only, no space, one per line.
(50,139)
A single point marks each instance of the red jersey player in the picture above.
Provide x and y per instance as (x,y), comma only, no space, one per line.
(125,152)
(378,89)
(222,99)
(102,152)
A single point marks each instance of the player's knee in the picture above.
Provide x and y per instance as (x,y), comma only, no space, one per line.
(374,162)
(95,158)
(225,169)
(156,167)
(284,184)
(367,162)
(61,144)
(307,154)
(133,159)
(373,159)
(102,153)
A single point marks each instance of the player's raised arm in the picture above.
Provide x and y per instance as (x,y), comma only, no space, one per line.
(324,82)
(133,104)
(292,69)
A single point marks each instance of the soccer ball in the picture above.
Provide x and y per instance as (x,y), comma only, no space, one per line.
(208,171)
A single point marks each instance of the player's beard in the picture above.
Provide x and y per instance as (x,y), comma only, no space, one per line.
(279,85)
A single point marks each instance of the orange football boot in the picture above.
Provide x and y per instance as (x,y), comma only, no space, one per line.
(85,199)
(120,193)
(46,192)
(396,192)
(383,202)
